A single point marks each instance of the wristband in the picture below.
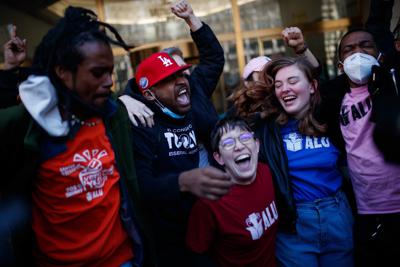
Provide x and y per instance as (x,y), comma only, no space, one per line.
(301,51)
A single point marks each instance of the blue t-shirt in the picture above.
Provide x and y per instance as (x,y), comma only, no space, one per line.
(313,169)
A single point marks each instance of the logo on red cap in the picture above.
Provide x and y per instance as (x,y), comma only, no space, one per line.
(165,61)
(155,68)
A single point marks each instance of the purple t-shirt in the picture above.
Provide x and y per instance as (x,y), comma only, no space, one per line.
(376,182)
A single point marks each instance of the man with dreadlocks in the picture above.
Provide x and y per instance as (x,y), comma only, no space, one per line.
(65,148)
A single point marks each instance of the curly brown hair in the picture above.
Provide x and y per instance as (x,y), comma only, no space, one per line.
(247,99)
(260,97)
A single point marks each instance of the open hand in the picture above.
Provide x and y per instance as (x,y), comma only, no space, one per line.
(209,182)
(138,110)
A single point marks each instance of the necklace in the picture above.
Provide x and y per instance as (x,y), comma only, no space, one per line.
(75,119)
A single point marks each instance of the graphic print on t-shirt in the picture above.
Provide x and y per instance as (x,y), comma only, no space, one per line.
(355,112)
(91,175)
(258,222)
(181,141)
(294,142)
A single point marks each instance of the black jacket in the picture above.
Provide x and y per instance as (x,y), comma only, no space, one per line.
(273,153)
(9,80)
(171,147)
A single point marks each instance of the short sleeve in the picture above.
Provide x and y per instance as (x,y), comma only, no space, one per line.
(201,228)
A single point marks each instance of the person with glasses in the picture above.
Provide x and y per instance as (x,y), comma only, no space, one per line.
(315,219)
(240,228)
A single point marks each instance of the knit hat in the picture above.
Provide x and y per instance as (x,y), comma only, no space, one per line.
(255,64)
(155,68)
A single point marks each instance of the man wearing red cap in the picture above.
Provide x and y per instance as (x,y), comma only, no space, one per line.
(167,155)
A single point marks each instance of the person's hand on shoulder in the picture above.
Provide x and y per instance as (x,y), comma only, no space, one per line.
(14,49)
(210,183)
(138,111)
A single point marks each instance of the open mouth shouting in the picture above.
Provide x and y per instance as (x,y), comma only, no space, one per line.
(243,162)
(183,96)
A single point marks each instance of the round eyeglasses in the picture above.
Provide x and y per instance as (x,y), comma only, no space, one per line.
(230,142)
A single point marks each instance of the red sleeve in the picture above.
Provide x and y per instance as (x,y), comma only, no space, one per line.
(201,228)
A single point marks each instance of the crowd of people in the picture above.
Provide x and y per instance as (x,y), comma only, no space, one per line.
(299,172)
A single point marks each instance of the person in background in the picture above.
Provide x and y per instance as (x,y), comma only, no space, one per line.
(240,228)
(11,74)
(167,155)
(315,219)
(64,154)
(396,34)
(386,132)
(352,103)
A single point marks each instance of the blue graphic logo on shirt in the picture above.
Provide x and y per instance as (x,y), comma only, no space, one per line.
(293,142)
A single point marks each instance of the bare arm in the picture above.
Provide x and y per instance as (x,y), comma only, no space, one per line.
(294,39)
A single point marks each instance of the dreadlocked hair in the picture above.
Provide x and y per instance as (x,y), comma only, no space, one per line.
(308,125)
(61,47)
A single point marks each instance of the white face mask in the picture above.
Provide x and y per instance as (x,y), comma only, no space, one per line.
(358,67)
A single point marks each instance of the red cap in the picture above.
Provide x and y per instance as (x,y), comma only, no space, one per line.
(155,68)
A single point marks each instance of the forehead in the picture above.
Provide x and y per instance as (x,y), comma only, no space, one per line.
(288,72)
(355,38)
(96,52)
(227,131)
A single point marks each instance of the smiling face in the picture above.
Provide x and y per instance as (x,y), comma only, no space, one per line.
(238,153)
(173,92)
(293,90)
(92,81)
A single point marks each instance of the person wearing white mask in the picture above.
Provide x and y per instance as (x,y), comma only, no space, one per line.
(352,102)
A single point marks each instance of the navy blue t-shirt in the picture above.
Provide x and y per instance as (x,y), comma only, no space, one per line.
(312,164)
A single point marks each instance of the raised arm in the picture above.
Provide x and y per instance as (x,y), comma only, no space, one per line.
(14,50)
(207,73)
(14,56)
(378,23)
(182,9)
(294,39)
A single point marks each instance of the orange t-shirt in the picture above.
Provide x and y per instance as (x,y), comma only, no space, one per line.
(76,201)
